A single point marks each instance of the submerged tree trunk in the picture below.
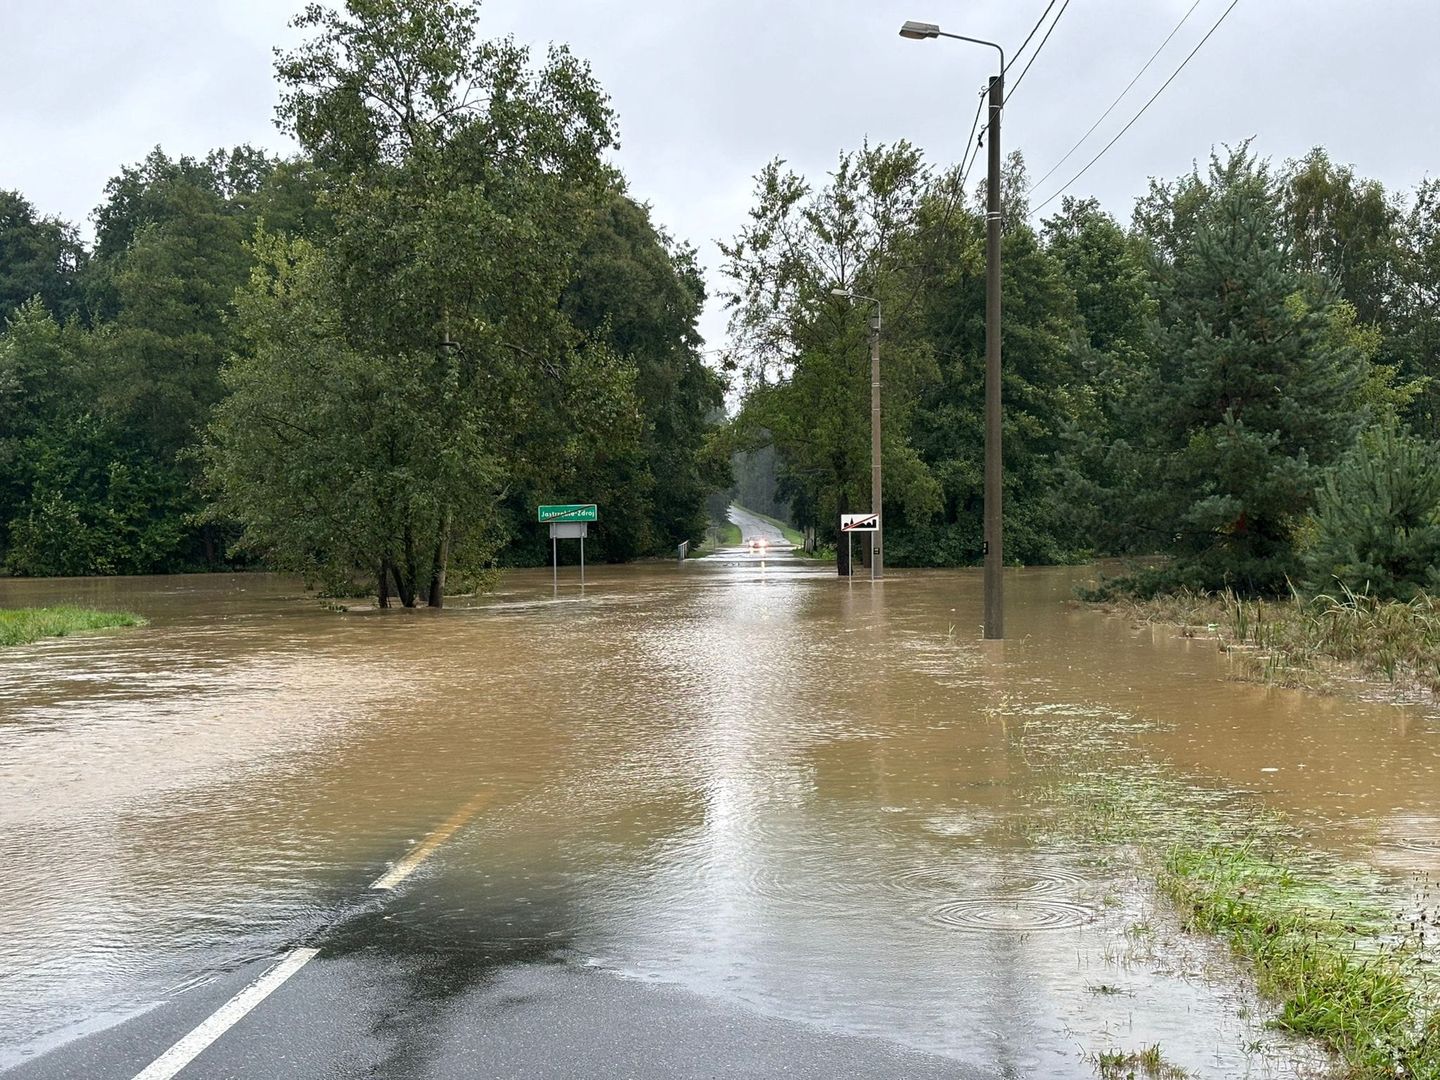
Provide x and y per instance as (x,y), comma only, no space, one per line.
(383,585)
(405,580)
(404,589)
(442,560)
(842,546)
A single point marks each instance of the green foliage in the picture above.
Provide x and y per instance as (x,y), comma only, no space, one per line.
(332,458)
(1322,954)
(39,257)
(441,348)
(20,626)
(641,295)
(808,378)
(1246,390)
(1377,518)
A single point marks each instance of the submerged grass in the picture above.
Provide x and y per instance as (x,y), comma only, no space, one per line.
(20,626)
(1148,1062)
(1318,642)
(1333,962)
(1325,942)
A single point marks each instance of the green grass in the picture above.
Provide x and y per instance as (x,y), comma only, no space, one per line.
(1147,1062)
(20,626)
(718,534)
(1325,942)
(1343,971)
(1319,643)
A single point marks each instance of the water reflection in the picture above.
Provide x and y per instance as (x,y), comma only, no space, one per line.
(815,797)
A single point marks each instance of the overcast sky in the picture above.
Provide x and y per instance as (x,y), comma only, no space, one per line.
(708,90)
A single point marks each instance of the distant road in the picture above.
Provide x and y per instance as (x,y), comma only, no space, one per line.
(754,527)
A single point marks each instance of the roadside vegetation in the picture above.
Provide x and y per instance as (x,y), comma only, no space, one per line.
(1147,1063)
(20,626)
(292,362)
(1324,642)
(1343,970)
(718,535)
(1341,959)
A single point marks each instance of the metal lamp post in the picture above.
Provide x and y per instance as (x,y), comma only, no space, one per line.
(994,467)
(877,551)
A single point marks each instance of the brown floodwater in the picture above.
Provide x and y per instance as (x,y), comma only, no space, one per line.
(814,798)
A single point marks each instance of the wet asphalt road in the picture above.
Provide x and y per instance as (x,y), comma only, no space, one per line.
(753,527)
(372,1012)
(375,1004)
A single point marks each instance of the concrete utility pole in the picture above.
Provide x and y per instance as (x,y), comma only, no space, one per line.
(994,464)
(994,468)
(877,551)
(877,554)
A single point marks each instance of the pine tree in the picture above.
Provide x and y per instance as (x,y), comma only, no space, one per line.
(1249,386)
(1378,518)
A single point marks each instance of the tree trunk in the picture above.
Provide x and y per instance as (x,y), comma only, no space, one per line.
(404,589)
(383,586)
(442,561)
(405,582)
(842,547)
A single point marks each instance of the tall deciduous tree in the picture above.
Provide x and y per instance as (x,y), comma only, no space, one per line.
(459,176)
(806,349)
(39,256)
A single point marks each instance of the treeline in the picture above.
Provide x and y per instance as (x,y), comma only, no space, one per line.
(1242,378)
(370,362)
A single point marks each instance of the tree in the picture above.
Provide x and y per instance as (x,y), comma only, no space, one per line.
(1344,228)
(458,177)
(1040,387)
(1251,384)
(79,497)
(642,295)
(808,366)
(1377,518)
(39,256)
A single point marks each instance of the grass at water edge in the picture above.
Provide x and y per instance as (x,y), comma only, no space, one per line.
(21,626)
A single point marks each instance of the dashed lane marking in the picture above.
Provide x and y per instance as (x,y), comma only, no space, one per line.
(224,1018)
(423,850)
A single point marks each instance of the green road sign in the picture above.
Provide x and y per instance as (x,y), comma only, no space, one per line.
(570,512)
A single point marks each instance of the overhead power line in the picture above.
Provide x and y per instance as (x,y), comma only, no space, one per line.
(1120,97)
(1142,111)
(972,142)
(1010,90)
(1038,23)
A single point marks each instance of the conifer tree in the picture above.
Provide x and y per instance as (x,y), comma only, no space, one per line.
(1249,386)
(1378,518)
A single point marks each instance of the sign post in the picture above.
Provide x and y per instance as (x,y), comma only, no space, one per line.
(850,524)
(567,521)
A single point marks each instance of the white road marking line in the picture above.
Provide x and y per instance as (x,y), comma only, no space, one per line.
(423,850)
(224,1018)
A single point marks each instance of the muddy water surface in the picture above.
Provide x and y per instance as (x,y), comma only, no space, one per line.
(814,798)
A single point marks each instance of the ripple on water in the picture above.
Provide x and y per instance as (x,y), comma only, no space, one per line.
(1016,914)
(1024,878)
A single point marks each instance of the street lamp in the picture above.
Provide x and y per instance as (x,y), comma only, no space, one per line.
(994,474)
(877,550)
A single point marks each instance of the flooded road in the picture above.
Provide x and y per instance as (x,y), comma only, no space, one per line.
(806,799)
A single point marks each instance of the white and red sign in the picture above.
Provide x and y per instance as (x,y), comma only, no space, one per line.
(859,523)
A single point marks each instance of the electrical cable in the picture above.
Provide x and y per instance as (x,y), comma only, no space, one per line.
(1142,111)
(1128,86)
(1038,22)
(1010,90)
